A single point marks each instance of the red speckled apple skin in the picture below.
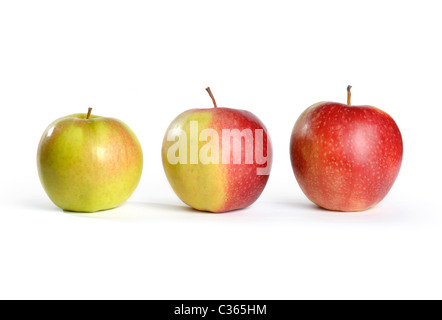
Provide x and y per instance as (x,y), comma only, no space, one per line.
(345,158)
(244,185)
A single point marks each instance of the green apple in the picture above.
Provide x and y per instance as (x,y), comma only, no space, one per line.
(88,163)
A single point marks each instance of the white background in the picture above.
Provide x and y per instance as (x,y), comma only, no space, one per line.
(145,62)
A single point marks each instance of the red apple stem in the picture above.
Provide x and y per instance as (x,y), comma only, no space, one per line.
(89,113)
(211,96)
(349,95)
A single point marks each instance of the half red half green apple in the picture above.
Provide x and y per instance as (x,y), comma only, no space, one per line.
(217,159)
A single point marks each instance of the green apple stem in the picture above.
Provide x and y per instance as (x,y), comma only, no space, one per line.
(89,113)
(211,95)
(349,95)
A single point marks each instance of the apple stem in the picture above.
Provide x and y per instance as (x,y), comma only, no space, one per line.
(349,95)
(211,95)
(89,113)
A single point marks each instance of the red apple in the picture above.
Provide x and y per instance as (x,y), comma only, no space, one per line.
(345,158)
(217,159)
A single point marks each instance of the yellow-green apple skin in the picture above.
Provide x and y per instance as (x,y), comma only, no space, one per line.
(89,165)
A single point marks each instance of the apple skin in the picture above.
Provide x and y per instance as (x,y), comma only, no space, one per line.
(89,165)
(345,158)
(217,187)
